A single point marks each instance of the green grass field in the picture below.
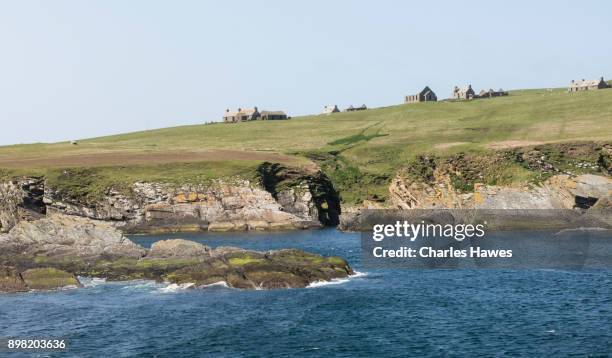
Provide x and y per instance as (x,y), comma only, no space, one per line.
(358,149)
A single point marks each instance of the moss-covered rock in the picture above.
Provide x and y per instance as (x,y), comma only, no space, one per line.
(177,248)
(43,264)
(48,279)
(11,281)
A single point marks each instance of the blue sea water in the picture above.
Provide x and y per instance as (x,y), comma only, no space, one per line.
(395,313)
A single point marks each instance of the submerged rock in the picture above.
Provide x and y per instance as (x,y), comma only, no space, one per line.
(51,252)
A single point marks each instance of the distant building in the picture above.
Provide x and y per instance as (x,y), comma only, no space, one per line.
(426,95)
(586,85)
(352,109)
(241,115)
(492,93)
(464,92)
(273,115)
(330,109)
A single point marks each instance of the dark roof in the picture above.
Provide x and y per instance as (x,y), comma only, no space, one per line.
(274,113)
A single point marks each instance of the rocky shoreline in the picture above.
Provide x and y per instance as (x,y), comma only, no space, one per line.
(52,252)
(286,199)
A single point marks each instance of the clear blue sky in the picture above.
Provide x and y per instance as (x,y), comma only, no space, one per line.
(77,69)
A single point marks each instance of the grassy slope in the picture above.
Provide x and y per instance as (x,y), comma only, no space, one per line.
(366,147)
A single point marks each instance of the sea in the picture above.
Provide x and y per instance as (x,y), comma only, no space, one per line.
(375,313)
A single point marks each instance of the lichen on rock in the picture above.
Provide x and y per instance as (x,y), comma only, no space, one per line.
(49,253)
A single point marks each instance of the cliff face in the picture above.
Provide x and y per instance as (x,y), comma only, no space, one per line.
(552,176)
(558,176)
(557,192)
(20,200)
(289,199)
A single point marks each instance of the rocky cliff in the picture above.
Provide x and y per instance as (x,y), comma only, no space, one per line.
(563,176)
(20,199)
(280,198)
(557,192)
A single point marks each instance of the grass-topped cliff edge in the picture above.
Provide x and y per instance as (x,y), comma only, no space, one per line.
(360,151)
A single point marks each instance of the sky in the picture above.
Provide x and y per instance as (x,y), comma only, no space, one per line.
(81,69)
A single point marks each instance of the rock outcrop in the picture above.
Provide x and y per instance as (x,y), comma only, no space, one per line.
(11,280)
(48,279)
(63,238)
(286,199)
(49,253)
(557,192)
(178,248)
(20,200)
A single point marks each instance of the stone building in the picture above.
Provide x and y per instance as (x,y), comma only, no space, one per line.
(352,109)
(330,109)
(464,92)
(492,93)
(586,85)
(273,115)
(426,95)
(241,115)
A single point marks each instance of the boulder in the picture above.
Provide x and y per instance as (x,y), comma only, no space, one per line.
(49,279)
(592,186)
(221,226)
(61,236)
(258,225)
(11,280)
(178,248)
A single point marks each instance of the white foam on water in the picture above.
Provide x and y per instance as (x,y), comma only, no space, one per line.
(140,285)
(337,281)
(216,284)
(173,287)
(358,274)
(91,281)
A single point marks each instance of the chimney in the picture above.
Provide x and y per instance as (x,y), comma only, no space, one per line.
(602,78)
(227,110)
(239,109)
(255,108)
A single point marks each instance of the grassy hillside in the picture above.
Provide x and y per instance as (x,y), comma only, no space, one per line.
(359,150)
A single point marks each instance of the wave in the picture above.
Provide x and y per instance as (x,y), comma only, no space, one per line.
(141,285)
(91,281)
(174,287)
(337,281)
(216,284)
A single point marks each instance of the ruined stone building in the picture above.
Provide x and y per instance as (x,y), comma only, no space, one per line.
(273,115)
(586,85)
(492,93)
(426,95)
(464,92)
(241,115)
(352,109)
